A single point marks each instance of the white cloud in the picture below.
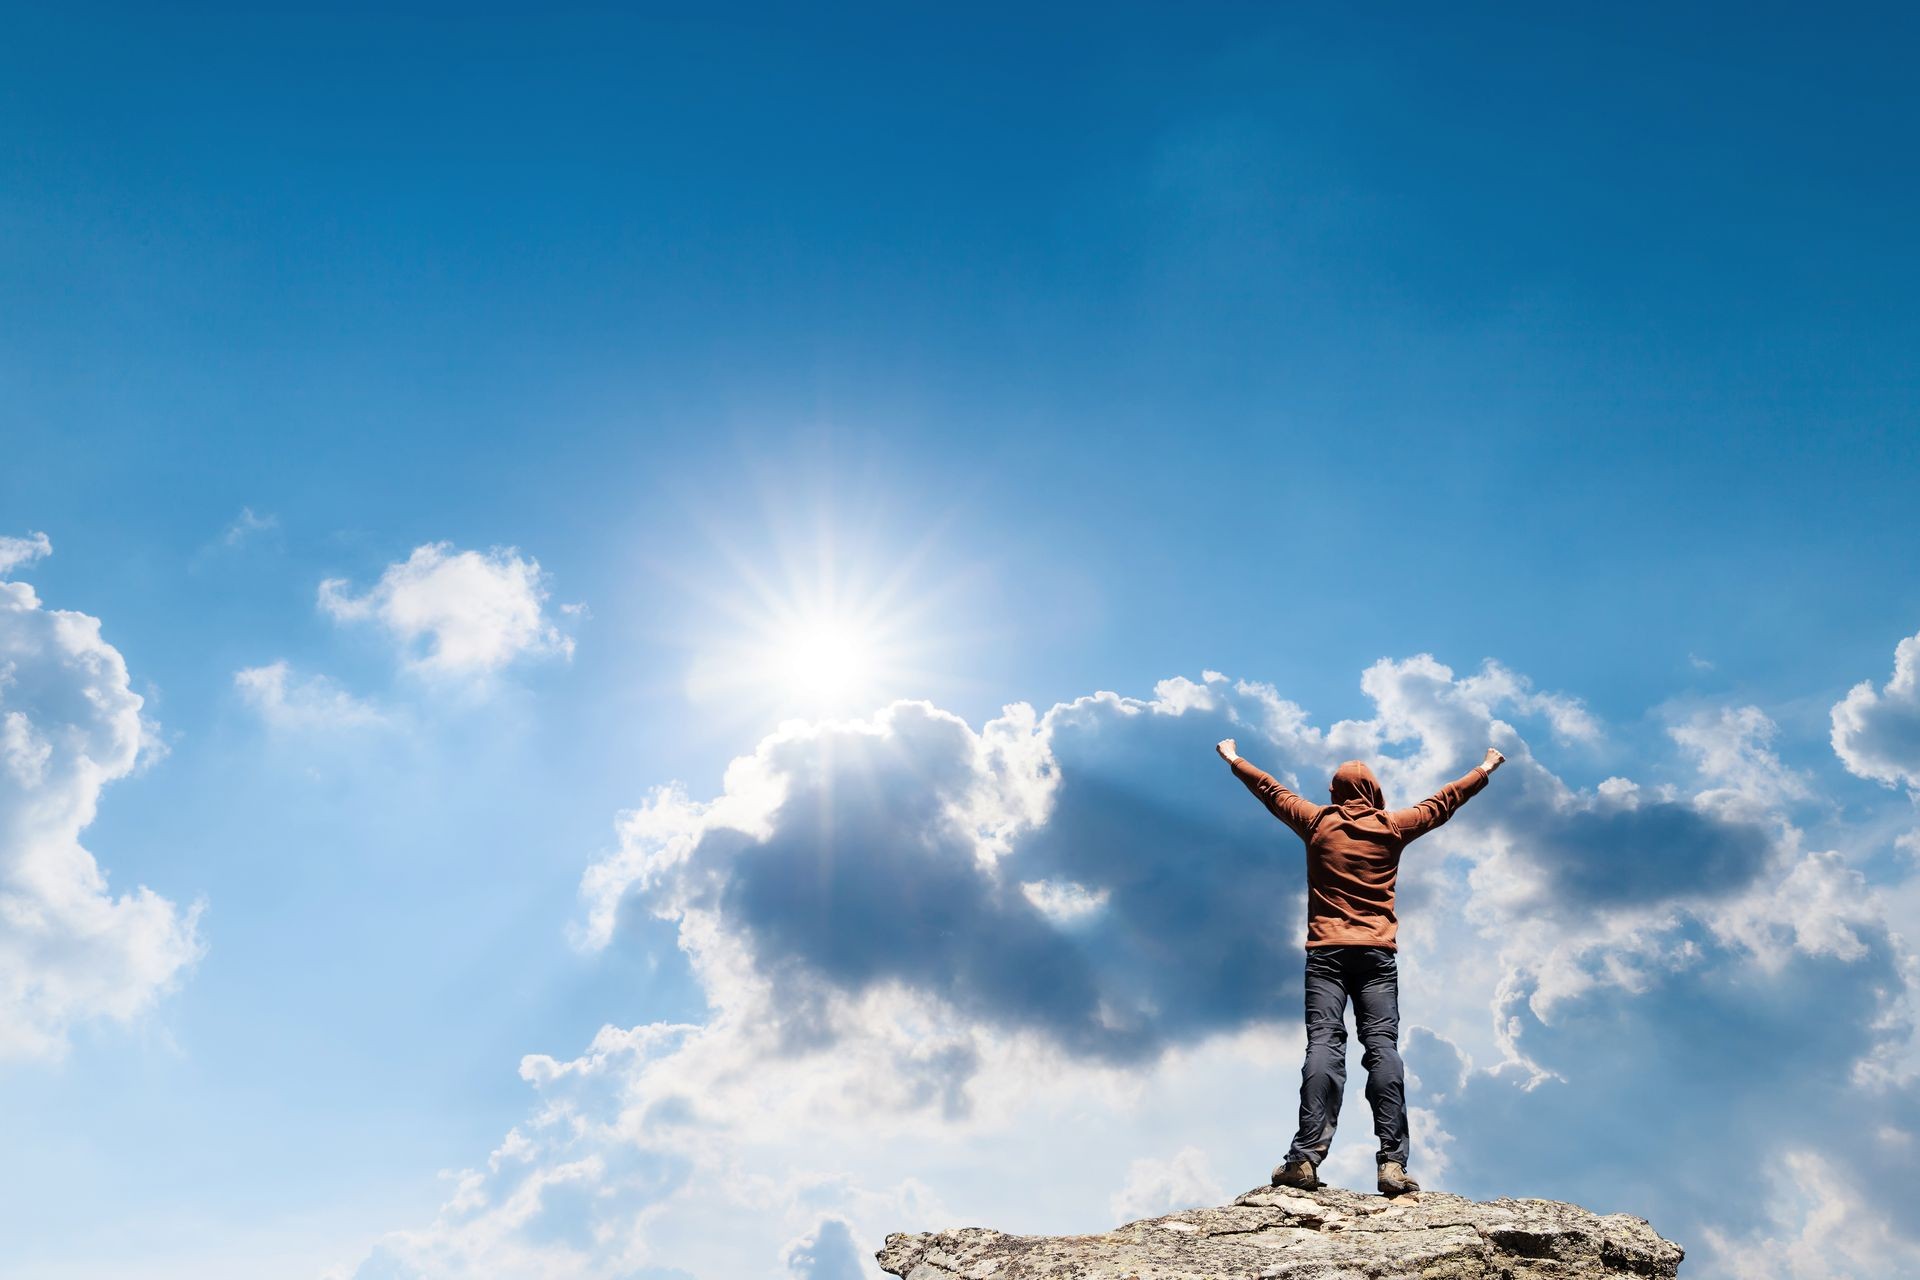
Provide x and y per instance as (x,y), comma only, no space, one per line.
(1814,905)
(1567,717)
(457,613)
(15,552)
(71,950)
(1063,901)
(1178,694)
(1876,733)
(1817,1230)
(286,702)
(1155,1187)
(1732,746)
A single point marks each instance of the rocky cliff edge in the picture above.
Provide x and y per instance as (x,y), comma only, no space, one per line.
(1275,1233)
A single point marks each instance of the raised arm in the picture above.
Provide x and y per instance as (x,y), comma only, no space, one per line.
(1437,808)
(1294,810)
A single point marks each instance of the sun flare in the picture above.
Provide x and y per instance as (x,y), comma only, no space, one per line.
(806,661)
(810,609)
(826,661)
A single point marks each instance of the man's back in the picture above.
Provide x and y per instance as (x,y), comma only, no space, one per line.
(1353,858)
(1354,846)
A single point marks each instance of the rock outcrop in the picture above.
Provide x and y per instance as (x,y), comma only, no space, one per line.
(1274,1233)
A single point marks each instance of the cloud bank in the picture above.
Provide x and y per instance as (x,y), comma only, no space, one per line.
(953,974)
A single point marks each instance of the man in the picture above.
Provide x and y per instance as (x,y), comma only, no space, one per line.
(1353,857)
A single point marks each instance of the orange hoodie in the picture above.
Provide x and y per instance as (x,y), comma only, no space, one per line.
(1353,847)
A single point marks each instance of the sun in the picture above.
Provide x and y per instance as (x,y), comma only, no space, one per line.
(803,607)
(826,661)
(809,654)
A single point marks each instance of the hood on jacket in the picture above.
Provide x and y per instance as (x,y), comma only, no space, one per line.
(1354,781)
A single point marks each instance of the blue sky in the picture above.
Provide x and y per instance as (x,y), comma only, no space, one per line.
(517,461)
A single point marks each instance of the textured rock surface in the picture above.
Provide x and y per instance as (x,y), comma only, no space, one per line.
(1280,1234)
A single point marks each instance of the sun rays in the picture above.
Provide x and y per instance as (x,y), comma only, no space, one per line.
(828,614)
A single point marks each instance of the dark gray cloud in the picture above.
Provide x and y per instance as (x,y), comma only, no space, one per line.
(1206,906)
(867,878)
(1628,852)
(1654,851)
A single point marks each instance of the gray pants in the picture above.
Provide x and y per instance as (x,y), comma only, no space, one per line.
(1370,977)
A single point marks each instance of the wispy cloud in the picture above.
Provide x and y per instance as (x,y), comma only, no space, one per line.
(17,552)
(288,702)
(248,525)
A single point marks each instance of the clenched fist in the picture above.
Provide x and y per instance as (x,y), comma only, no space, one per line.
(1493,761)
(1227,750)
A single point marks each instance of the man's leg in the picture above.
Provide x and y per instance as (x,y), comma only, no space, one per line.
(1323,1077)
(1376,1017)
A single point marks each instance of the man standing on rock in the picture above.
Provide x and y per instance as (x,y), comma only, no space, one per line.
(1353,857)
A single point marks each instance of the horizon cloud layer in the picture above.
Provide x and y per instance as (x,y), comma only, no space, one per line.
(927,948)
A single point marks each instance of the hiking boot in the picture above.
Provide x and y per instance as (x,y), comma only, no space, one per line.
(1297,1173)
(1394,1180)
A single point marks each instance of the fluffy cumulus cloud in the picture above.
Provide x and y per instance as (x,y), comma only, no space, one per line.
(71,949)
(456,613)
(1045,972)
(1876,732)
